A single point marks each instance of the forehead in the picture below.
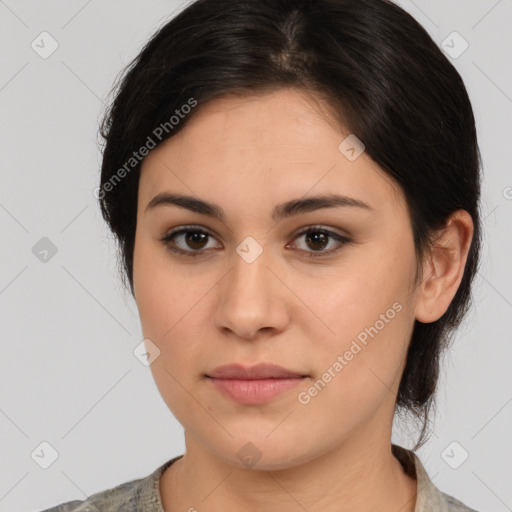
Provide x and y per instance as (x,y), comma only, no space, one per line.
(283,121)
(283,142)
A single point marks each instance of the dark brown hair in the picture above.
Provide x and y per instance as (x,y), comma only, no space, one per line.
(384,78)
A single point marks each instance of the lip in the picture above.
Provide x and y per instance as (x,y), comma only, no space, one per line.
(258,371)
(254,384)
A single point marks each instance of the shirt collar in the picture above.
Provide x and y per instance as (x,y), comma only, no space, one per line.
(428,496)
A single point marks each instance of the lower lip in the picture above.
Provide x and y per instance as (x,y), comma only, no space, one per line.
(257,391)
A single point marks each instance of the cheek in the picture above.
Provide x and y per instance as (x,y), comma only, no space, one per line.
(371,284)
(168,308)
(372,336)
(160,290)
(369,324)
(169,304)
(359,371)
(355,298)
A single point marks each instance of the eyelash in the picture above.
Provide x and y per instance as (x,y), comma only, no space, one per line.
(313,229)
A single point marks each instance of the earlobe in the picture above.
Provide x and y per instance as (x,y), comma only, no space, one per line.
(443,269)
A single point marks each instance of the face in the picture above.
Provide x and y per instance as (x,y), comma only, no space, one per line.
(320,289)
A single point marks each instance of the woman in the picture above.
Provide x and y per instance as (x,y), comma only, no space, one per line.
(294,185)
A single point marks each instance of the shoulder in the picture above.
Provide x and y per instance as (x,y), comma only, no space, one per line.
(70,506)
(121,498)
(137,495)
(454,505)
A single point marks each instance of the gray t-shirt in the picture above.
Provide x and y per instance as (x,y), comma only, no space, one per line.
(143,494)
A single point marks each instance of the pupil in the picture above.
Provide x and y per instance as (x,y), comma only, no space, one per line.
(315,239)
(194,237)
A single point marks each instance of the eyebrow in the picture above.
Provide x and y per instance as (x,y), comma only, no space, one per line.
(281,211)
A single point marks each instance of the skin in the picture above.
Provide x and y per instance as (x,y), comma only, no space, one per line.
(248,154)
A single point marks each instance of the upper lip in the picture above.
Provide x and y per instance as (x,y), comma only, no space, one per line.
(258,371)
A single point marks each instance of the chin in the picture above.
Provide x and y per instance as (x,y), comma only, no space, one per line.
(264,453)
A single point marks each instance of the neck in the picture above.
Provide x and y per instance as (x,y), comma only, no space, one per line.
(361,476)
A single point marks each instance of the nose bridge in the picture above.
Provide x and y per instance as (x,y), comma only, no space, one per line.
(250,272)
(249,297)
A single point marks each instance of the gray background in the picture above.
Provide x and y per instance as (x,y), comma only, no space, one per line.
(68,375)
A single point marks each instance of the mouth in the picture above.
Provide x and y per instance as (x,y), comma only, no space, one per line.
(258,371)
(255,384)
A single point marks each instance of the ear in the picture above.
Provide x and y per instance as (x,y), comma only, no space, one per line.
(443,268)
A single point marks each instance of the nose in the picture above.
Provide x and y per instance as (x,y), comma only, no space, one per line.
(252,299)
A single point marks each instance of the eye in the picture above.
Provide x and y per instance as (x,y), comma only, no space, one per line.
(190,238)
(193,240)
(318,238)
